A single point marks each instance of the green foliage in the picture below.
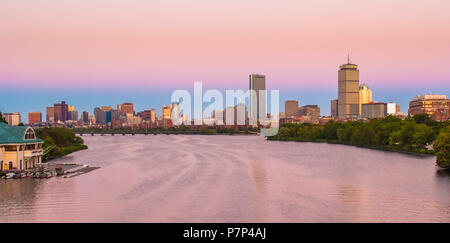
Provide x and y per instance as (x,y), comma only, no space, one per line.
(2,119)
(392,133)
(442,148)
(65,140)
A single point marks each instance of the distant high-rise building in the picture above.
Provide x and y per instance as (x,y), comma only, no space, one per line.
(258,103)
(365,96)
(70,108)
(166,112)
(60,110)
(127,108)
(13,119)
(218,117)
(115,115)
(374,110)
(334,108)
(290,108)
(99,116)
(85,117)
(72,115)
(107,116)
(34,117)
(175,115)
(146,115)
(50,114)
(436,106)
(152,115)
(348,91)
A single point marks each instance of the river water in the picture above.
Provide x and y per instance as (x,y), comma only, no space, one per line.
(194,178)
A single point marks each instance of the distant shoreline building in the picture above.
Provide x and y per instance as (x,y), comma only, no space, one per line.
(13,119)
(436,106)
(34,117)
(20,149)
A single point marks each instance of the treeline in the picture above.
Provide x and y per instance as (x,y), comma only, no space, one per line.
(64,141)
(391,133)
(210,130)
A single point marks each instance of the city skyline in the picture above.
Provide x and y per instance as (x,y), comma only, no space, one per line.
(93,54)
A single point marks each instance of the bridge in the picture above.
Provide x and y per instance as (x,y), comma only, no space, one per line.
(134,133)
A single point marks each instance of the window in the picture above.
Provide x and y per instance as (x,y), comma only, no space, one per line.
(29,134)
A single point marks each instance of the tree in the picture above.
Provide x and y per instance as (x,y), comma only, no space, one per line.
(2,119)
(442,148)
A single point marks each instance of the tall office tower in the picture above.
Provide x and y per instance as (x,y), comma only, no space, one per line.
(166,112)
(60,111)
(70,108)
(218,117)
(290,108)
(175,111)
(365,96)
(99,116)
(119,108)
(13,119)
(152,115)
(258,104)
(115,115)
(334,108)
(50,114)
(85,117)
(146,115)
(127,108)
(34,117)
(348,91)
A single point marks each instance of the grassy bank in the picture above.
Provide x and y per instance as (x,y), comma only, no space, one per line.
(64,141)
(411,135)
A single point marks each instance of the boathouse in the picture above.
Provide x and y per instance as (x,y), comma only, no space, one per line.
(20,149)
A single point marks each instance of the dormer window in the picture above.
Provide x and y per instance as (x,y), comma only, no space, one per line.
(29,134)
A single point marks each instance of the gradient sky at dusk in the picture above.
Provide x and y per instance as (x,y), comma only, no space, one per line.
(103,52)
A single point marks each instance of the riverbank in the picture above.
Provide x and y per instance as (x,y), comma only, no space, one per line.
(416,135)
(380,148)
(59,142)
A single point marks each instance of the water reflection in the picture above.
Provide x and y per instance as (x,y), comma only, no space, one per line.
(232,179)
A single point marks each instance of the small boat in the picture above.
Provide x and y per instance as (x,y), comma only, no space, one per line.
(10,175)
(23,175)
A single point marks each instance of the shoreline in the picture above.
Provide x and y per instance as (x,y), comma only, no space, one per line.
(386,149)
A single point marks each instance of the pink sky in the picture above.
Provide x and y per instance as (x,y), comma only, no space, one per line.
(176,42)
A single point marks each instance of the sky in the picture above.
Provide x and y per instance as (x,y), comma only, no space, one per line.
(105,52)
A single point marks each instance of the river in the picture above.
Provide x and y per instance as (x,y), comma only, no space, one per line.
(195,178)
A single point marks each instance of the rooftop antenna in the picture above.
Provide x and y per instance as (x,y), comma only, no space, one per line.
(348,58)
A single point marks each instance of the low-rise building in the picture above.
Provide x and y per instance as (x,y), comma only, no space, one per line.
(20,149)
(436,106)
(374,110)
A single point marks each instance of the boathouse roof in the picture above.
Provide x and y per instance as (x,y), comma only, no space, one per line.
(17,134)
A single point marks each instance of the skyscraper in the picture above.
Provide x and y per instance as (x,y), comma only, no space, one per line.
(290,108)
(127,108)
(152,115)
(99,116)
(60,110)
(166,112)
(348,91)
(50,114)
(257,104)
(85,117)
(365,96)
(34,117)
